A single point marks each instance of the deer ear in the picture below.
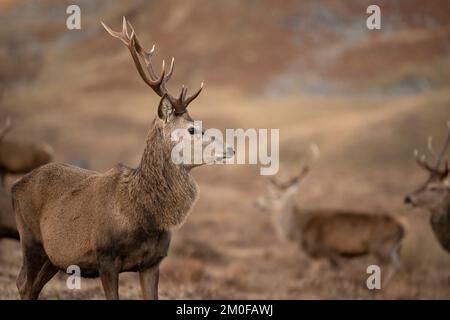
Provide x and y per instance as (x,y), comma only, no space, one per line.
(165,109)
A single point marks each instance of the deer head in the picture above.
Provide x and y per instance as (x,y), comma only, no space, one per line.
(172,111)
(435,192)
(280,192)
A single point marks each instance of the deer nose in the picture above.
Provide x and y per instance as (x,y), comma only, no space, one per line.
(407,200)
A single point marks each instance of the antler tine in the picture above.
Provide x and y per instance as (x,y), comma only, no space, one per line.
(444,148)
(315,149)
(180,97)
(169,74)
(118,35)
(296,178)
(304,171)
(124,28)
(422,161)
(161,76)
(430,147)
(183,94)
(146,54)
(285,184)
(275,182)
(193,96)
(6,127)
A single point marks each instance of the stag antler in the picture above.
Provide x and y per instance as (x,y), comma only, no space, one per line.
(6,127)
(285,184)
(158,84)
(315,152)
(434,169)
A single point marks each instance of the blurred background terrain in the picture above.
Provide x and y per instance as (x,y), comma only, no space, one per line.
(310,68)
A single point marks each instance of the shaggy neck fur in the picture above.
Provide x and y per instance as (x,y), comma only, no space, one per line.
(163,192)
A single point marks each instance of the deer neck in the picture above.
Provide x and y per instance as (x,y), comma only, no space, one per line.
(440,222)
(287,218)
(163,192)
(440,212)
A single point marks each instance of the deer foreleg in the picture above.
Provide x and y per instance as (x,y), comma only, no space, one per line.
(149,283)
(109,276)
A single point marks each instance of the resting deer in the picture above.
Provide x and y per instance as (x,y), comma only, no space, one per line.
(331,234)
(117,221)
(18,156)
(434,194)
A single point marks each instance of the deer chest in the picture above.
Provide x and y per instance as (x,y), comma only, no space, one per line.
(140,250)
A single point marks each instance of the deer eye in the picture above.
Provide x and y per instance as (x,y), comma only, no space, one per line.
(192,131)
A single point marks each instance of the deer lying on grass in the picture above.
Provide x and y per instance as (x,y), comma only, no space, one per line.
(117,221)
(331,234)
(19,156)
(434,194)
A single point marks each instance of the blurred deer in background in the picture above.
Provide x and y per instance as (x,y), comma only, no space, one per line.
(7,221)
(3,131)
(117,221)
(331,234)
(18,156)
(434,194)
(8,227)
(6,127)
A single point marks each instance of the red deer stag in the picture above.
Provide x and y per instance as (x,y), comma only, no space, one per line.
(19,156)
(117,221)
(434,194)
(331,234)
